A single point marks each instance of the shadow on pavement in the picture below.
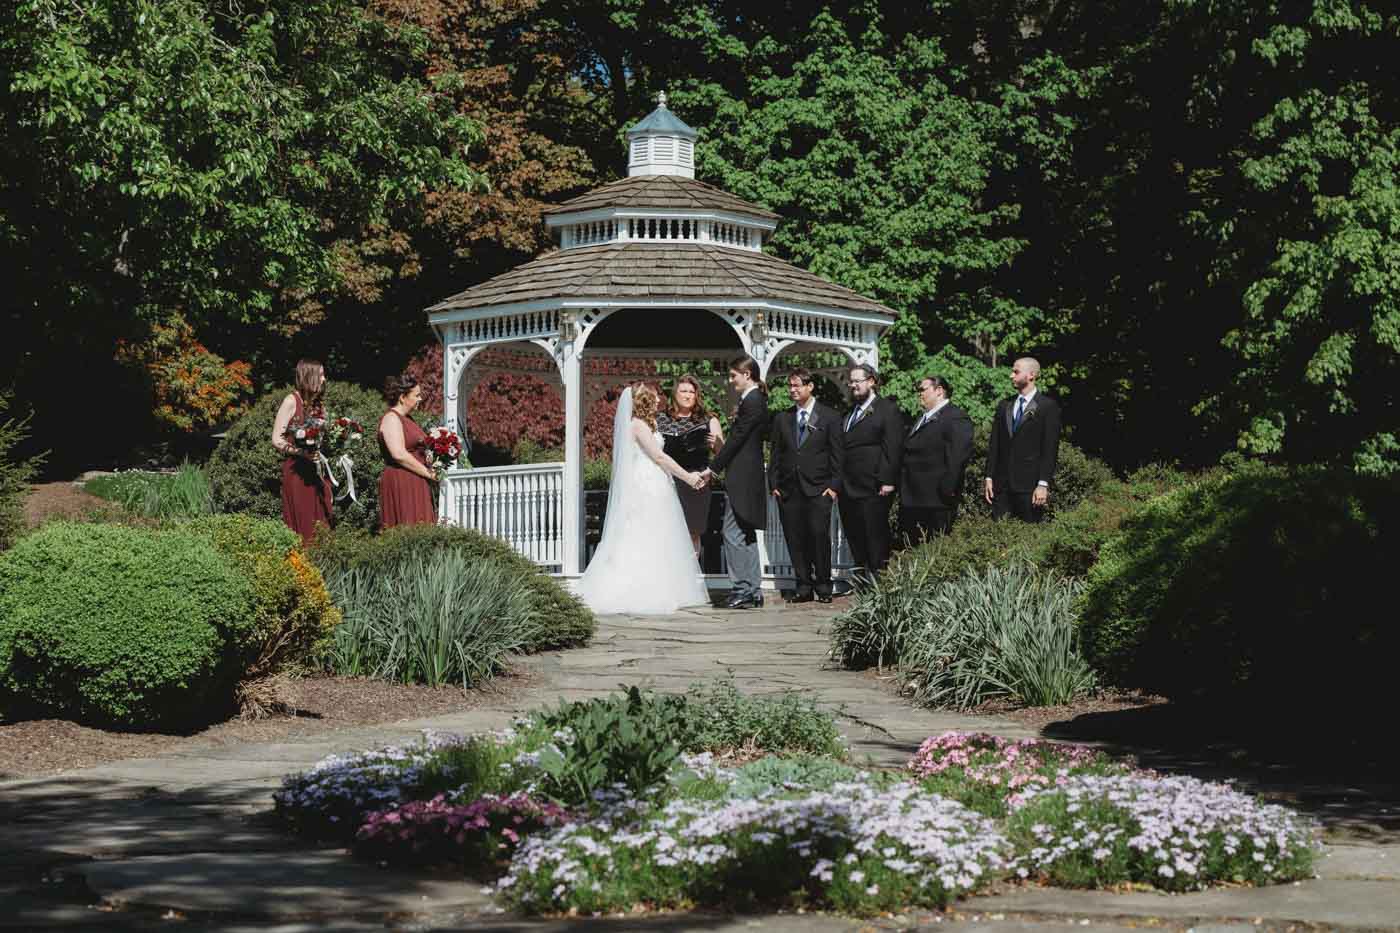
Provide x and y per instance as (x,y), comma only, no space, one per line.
(1342,773)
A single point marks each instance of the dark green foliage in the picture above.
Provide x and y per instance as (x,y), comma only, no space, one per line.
(1268,584)
(183,494)
(121,626)
(560,618)
(15,474)
(1070,544)
(245,471)
(776,774)
(439,619)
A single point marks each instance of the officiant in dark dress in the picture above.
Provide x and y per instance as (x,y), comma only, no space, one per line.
(690,434)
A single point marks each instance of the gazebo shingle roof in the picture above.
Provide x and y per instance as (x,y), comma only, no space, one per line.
(671,270)
(665,192)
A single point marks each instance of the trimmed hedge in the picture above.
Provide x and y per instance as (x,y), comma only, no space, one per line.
(1267,584)
(293,617)
(121,626)
(245,472)
(564,620)
(15,474)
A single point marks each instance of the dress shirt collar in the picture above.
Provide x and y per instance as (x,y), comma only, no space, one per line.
(1028,396)
(809,407)
(745,394)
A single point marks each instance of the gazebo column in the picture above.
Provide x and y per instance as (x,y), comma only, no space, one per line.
(571,373)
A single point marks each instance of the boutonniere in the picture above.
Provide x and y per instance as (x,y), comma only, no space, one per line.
(1028,414)
(812,421)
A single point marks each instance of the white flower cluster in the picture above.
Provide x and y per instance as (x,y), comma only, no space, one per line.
(1174,832)
(937,846)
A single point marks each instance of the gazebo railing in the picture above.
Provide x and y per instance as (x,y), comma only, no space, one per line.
(521,505)
(524,506)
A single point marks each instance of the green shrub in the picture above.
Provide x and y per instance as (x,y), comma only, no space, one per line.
(1069,544)
(560,618)
(245,472)
(874,630)
(182,494)
(1000,631)
(1263,584)
(632,738)
(15,475)
(778,775)
(294,616)
(439,620)
(117,625)
(1077,477)
(725,719)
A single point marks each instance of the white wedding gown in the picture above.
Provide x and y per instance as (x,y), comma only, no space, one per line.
(644,564)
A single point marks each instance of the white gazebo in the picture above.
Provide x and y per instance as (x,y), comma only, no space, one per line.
(656,253)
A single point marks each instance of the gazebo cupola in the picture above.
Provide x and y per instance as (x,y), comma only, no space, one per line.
(661,144)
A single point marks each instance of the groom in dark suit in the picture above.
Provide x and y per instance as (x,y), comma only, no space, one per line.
(872,440)
(741,462)
(805,476)
(936,452)
(1024,445)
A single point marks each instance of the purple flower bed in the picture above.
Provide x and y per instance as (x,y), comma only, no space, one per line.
(1175,833)
(855,848)
(988,772)
(331,800)
(481,835)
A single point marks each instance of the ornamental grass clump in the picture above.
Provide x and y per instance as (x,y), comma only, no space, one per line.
(481,835)
(1174,833)
(856,848)
(989,773)
(998,632)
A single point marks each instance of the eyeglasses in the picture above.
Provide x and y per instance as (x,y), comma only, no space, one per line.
(856,382)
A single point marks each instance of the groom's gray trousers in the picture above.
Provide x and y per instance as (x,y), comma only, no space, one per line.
(741,554)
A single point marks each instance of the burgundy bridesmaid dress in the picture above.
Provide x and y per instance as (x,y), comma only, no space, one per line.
(405,498)
(306,495)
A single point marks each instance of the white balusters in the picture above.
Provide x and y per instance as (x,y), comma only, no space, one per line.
(521,505)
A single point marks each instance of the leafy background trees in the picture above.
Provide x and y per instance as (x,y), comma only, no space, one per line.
(1186,208)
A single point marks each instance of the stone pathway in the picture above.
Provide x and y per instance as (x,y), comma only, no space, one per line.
(185,840)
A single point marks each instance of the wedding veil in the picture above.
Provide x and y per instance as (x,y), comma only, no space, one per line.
(622,462)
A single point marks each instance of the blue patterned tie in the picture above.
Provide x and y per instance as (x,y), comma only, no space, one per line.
(1020,409)
(801,427)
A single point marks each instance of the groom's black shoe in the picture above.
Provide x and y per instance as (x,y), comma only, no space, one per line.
(747,602)
(801,598)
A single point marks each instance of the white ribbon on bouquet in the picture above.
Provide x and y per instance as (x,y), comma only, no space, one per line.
(347,466)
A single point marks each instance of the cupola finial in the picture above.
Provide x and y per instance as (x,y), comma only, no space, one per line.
(661,144)
(661,99)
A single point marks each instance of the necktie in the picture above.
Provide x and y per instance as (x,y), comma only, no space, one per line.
(801,427)
(852,420)
(922,421)
(1020,409)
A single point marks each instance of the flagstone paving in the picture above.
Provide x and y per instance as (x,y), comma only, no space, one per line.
(185,840)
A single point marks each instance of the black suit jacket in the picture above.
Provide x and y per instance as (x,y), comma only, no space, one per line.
(1019,461)
(873,446)
(816,465)
(935,456)
(741,461)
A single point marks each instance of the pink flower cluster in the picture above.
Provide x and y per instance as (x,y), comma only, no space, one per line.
(991,759)
(486,830)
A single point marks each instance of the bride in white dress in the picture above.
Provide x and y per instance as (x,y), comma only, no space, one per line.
(644,564)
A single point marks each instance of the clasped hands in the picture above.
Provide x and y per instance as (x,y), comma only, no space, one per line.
(700,480)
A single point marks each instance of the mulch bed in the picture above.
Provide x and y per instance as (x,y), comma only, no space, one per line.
(49,501)
(319,705)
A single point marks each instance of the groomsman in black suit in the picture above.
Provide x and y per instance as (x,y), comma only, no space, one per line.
(1024,446)
(873,439)
(936,452)
(804,473)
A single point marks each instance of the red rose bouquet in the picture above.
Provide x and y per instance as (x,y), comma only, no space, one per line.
(443,449)
(307,435)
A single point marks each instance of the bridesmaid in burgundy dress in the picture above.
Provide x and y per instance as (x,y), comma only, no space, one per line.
(306,495)
(405,496)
